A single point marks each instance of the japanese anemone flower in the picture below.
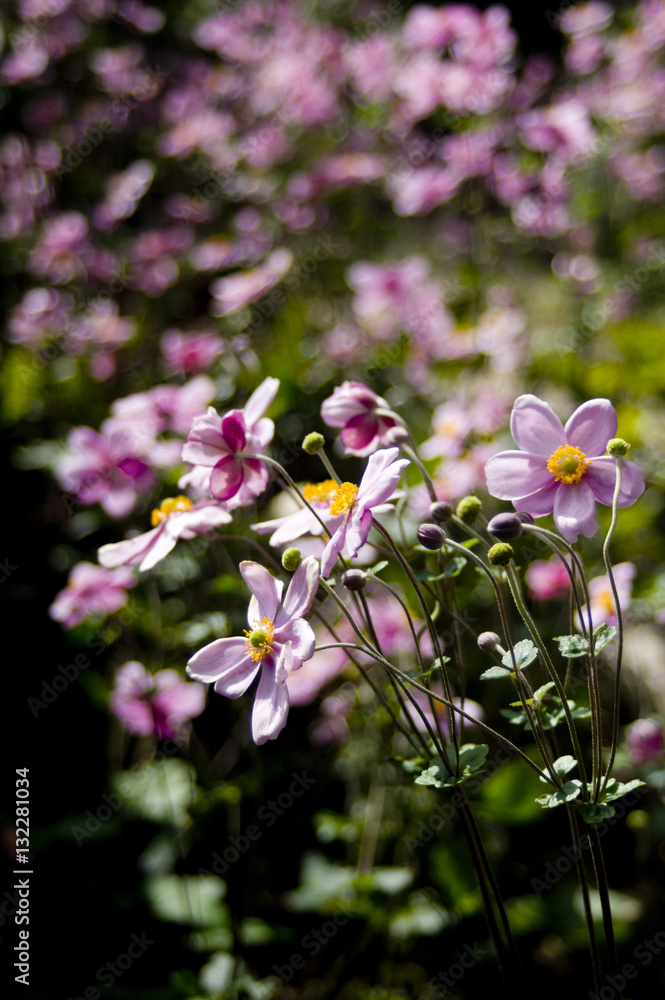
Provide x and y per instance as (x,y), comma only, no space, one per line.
(562,470)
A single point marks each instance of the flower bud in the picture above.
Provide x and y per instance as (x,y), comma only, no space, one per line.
(396,435)
(441,511)
(431,536)
(524,517)
(505,527)
(617,447)
(468,509)
(291,559)
(313,443)
(500,554)
(354,579)
(488,641)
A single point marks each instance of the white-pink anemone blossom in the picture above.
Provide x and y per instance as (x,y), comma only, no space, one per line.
(176,517)
(354,505)
(277,642)
(562,470)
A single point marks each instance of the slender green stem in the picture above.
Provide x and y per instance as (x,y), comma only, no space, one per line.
(603,892)
(617,605)
(596,965)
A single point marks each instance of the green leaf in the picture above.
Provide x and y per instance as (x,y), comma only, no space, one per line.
(594,813)
(603,635)
(471,759)
(562,765)
(540,693)
(495,674)
(567,793)
(470,542)
(615,789)
(379,566)
(525,653)
(572,646)
(454,567)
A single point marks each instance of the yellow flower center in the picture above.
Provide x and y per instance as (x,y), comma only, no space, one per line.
(568,464)
(259,640)
(167,507)
(320,491)
(344,498)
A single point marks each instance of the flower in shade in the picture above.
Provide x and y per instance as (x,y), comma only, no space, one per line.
(277,641)
(601,600)
(547,579)
(354,505)
(366,419)
(91,590)
(176,517)
(302,521)
(214,443)
(562,470)
(645,741)
(156,704)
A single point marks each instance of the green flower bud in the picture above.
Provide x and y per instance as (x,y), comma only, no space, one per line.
(291,559)
(617,446)
(468,509)
(313,443)
(500,554)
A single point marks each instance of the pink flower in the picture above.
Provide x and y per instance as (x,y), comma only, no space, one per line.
(547,579)
(366,418)
(91,590)
(302,521)
(157,704)
(278,641)
(562,470)
(236,291)
(602,606)
(214,442)
(645,741)
(177,517)
(107,468)
(189,353)
(354,504)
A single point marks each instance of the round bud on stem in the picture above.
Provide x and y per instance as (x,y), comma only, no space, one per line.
(524,517)
(354,579)
(441,511)
(313,443)
(500,554)
(431,536)
(488,641)
(291,559)
(468,509)
(617,447)
(505,527)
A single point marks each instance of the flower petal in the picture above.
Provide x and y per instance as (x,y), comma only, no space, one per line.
(300,635)
(227,662)
(260,400)
(333,549)
(535,426)
(540,503)
(263,586)
(302,590)
(575,511)
(233,430)
(131,551)
(205,443)
(591,426)
(226,478)
(360,431)
(271,707)
(357,533)
(601,477)
(512,474)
